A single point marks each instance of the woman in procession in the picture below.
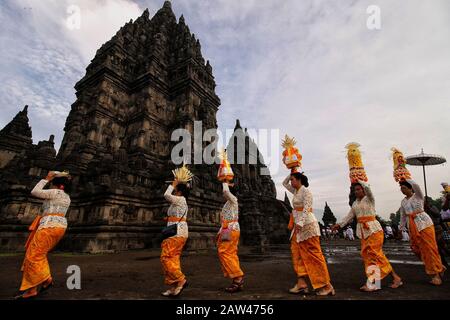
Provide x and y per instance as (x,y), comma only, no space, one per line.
(307,257)
(228,240)
(371,233)
(421,230)
(46,231)
(229,232)
(413,216)
(368,229)
(172,247)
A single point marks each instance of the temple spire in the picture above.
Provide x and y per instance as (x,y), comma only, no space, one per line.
(16,135)
(19,125)
(238,125)
(167,5)
(167,11)
(145,14)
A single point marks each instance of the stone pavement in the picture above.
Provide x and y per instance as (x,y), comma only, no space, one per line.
(137,275)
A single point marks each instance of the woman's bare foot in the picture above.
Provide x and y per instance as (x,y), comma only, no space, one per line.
(396,282)
(436,280)
(301,283)
(47,285)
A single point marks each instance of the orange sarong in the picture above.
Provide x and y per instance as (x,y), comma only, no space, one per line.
(228,256)
(171,249)
(372,254)
(424,245)
(36,269)
(308,260)
(291,221)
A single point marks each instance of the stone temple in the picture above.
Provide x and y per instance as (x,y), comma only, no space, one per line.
(147,80)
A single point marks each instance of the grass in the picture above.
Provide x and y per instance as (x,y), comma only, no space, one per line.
(11,254)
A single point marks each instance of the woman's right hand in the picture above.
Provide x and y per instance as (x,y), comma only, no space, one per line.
(50,175)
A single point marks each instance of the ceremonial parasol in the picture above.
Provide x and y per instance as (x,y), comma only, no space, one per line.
(424,159)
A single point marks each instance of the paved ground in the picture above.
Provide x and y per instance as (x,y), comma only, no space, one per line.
(137,275)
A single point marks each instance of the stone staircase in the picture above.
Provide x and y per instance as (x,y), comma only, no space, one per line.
(335,251)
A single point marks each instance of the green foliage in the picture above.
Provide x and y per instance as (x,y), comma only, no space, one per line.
(328,216)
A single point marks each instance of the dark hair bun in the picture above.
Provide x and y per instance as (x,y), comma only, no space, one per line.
(406,184)
(65,182)
(184,189)
(303,179)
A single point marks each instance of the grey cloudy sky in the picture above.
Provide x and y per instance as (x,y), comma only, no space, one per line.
(311,69)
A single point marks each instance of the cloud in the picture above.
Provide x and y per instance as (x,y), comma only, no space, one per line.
(42,58)
(314,70)
(311,69)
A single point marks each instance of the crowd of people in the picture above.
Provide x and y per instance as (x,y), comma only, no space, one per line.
(395,233)
(392,231)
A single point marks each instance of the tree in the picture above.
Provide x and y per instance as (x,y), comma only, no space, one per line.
(382,221)
(395,218)
(328,216)
(435,202)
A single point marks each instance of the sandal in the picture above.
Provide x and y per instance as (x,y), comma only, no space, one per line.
(365,288)
(178,290)
(26,295)
(168,292)
(235,286)
(23,297)
(326,292)
(297,290)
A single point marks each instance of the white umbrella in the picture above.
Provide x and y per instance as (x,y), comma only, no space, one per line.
(424,159)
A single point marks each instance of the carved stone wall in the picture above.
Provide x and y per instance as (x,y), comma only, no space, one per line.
(148,80)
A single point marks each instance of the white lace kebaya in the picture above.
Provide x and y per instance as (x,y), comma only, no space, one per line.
(363,208)
(230,211)
(304,219)
(56,201)
(178,207)
(414,205)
